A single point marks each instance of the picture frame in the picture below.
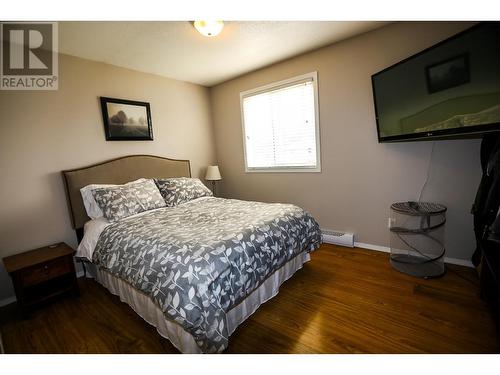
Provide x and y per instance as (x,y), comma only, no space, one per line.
(448,73)
(126,120)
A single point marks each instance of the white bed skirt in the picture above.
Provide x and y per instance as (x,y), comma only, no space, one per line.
(144,306)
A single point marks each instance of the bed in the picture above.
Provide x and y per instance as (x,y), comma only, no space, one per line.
(194,270)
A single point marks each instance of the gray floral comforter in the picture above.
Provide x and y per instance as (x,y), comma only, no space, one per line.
(199,259)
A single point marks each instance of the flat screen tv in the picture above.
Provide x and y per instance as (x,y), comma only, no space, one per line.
(449,90)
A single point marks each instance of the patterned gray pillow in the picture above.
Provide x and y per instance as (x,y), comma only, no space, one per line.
(118,202)
(180,190)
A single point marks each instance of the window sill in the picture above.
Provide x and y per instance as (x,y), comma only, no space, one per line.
(283,170)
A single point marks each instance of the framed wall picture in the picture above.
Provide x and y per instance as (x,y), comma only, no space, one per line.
(448,73)
(126,120)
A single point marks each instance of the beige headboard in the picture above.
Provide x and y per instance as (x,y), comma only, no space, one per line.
(117,171)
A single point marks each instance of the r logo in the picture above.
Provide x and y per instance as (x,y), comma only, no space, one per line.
(29,56)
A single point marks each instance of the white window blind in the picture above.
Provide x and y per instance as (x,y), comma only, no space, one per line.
(280,126)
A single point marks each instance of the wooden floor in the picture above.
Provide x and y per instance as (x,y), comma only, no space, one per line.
(343,301)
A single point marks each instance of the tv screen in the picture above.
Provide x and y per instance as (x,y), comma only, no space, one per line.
(449,90)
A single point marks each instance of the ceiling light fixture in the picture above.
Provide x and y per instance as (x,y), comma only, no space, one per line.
(208,28)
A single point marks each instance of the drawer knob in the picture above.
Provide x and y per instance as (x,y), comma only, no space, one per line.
(46,267)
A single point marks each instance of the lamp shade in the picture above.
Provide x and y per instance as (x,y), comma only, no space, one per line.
(213,173)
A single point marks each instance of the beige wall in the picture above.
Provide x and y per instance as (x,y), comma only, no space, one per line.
(45,132)
(360,178)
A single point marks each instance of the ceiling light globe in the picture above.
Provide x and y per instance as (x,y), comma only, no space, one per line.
(209,28)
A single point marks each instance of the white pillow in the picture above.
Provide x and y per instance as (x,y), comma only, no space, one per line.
(91,206)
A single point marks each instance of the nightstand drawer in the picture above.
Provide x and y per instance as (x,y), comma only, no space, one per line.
(46,271)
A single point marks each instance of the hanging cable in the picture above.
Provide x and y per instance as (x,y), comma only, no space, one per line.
(428,172)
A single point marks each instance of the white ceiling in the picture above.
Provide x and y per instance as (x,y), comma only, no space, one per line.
(176,50)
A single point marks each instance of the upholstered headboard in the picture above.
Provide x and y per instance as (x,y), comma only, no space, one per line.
(117,171)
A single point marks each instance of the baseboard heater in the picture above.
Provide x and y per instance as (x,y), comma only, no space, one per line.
(338,238)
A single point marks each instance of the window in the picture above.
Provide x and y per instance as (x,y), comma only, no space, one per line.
(281,126)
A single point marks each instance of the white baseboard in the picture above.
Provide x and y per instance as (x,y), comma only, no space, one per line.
(369,246)
(459,262)
(385,249)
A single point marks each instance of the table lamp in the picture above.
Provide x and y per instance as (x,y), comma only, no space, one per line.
(213,174)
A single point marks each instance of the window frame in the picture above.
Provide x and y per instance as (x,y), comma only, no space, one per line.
(312,76)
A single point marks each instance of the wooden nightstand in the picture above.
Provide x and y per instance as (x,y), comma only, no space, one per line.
(41,274)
